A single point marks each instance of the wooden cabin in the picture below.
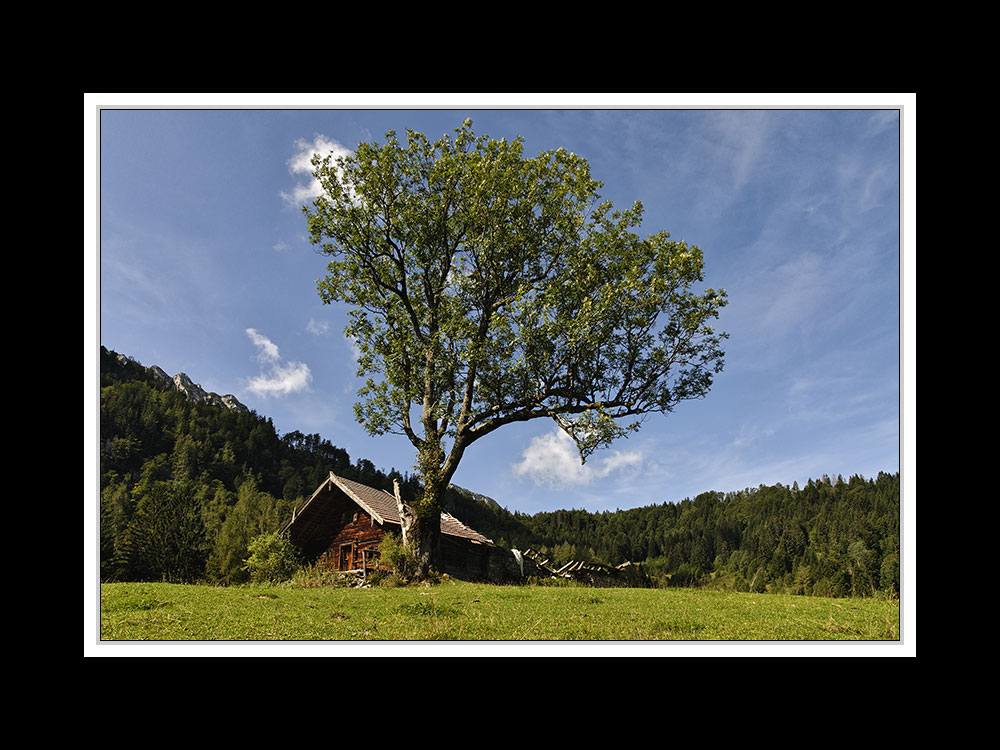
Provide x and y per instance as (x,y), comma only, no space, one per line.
(342,524)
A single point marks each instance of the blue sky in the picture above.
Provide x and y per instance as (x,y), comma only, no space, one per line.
(197,261)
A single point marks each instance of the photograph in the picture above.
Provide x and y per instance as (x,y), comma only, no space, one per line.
(498,374)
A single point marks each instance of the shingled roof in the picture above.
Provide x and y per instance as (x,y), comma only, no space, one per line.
(379,504)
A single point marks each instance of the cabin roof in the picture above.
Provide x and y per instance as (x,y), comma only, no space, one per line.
(314,515)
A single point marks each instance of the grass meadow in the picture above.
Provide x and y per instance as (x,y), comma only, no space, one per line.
(460,611)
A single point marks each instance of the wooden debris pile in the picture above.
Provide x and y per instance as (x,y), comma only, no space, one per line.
(592,573)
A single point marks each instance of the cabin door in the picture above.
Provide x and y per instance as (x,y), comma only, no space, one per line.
(345,556)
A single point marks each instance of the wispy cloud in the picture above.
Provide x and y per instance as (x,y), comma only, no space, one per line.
(552,460)
(277,378)
(750,435)
(842,390)
(317,327)
(740,139)
(300,165)
(882,120)
(823,263)
(267,350)
(152,275)
(355,349)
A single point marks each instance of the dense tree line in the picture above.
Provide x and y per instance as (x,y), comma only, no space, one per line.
(186,487)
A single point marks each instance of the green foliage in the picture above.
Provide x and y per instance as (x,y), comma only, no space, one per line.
(272,559)
(255,512)
(889,574)
(163,539)
(488,287)
(397,556)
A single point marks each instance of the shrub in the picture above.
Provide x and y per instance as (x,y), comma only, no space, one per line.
(380,578)
(397,556)
(272,559)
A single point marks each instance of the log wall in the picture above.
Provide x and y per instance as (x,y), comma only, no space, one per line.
(358,533)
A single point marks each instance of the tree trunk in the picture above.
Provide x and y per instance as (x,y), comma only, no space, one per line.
(422,529)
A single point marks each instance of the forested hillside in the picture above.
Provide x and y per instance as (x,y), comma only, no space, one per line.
(186,486)
(829,538)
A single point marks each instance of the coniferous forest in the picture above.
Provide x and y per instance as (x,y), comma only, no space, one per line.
(185,487)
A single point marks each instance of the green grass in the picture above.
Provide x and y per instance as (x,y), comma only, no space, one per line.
(458,611)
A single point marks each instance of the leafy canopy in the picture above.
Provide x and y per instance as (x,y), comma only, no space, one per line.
(489,288)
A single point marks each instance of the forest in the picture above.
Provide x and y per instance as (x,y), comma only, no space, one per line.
(185,487)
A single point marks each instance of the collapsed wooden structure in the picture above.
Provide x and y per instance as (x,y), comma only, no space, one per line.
(592,573)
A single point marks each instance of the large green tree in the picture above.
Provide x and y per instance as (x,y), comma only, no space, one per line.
(489,288)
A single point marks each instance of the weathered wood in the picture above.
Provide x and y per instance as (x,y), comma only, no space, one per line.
(359,533)
(405,512)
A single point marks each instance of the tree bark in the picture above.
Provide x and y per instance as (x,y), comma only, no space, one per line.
(422,530)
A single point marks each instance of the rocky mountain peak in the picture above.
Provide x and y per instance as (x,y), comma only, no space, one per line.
(183,383)
(196,393)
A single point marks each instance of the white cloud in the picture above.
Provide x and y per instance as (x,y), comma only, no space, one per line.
(317,327)
(278,379)
(301,164)
(553,460)
(268,350)
(281,380)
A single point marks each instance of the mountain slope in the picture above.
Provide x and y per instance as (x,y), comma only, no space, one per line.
(179,382)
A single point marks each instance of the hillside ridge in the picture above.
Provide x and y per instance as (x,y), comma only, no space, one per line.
(183,383)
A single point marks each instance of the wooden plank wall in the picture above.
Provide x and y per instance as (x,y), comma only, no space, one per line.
(360,533)
(463,559)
